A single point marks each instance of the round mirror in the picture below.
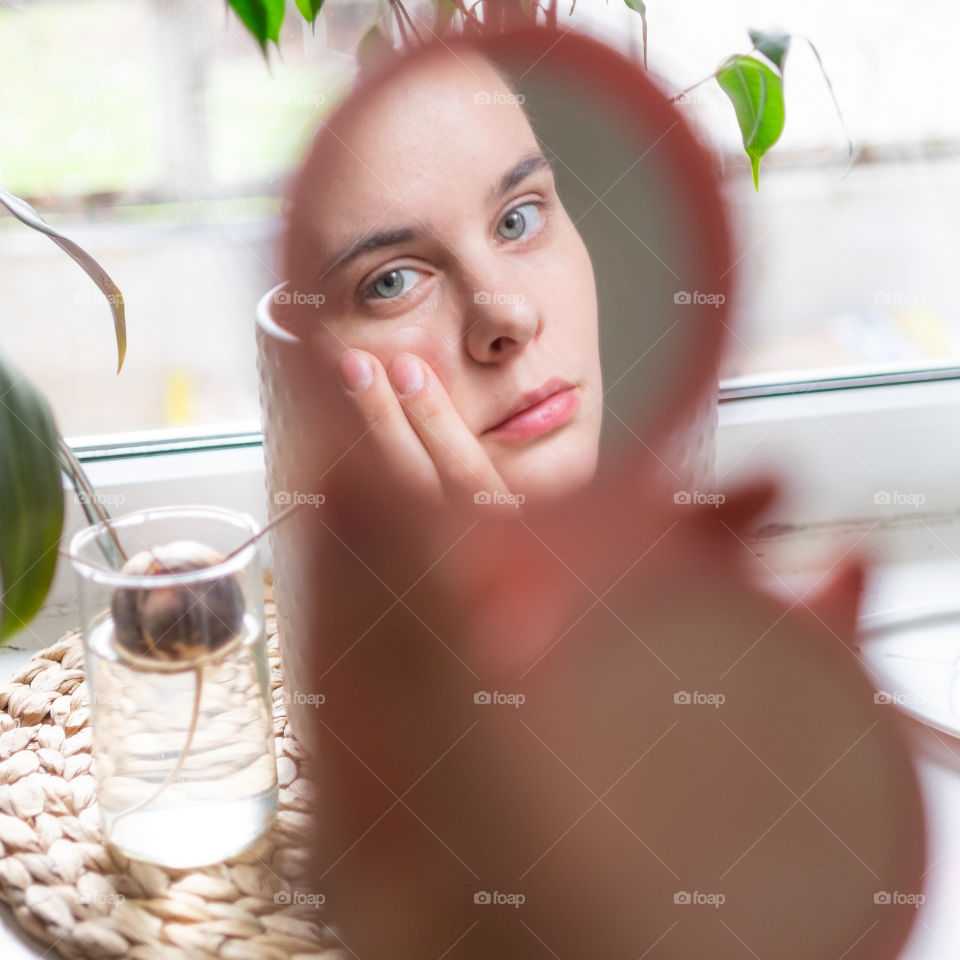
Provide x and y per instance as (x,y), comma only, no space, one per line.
(530,216)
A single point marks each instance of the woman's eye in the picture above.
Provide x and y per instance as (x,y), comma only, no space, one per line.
(392,283)
(514,224)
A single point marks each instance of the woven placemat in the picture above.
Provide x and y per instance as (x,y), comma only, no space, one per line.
(71,890)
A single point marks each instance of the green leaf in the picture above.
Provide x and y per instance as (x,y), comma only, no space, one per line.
(31,500)
(446,11)
(309,9)
(26,214)
(372,48)
(756,93)
(263,18)
(641,8)
(773,44)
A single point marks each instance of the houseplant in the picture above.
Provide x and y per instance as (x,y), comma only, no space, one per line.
(164,617)
(752,81)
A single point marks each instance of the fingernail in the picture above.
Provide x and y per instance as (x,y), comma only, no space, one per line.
(406,371)
(355,371)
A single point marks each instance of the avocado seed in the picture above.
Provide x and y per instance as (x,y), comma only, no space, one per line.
(179,623)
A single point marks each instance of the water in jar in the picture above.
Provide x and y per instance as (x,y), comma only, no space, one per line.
(225,794)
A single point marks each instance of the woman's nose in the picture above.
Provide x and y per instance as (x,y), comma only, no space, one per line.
(501,318)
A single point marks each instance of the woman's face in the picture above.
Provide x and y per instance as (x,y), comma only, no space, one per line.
(430,224)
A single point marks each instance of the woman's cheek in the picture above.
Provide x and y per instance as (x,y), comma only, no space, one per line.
(439,351)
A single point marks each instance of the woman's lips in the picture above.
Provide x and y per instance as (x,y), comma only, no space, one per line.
(554,410)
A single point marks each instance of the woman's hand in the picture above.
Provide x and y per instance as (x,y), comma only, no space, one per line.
(416,434)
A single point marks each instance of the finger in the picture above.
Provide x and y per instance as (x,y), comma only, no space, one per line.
(389,435)
(461,461)
(743,506)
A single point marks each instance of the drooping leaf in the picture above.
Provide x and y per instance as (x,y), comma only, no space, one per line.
(31,500)
(263,18)
(446,11)
(374,45)
(756,92)
(309,9)
(26,214)
(773,44)
(641,8)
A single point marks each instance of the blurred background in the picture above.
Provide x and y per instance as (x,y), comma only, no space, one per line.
(156,134)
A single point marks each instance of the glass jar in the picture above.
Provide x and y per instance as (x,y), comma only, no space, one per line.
(176,665)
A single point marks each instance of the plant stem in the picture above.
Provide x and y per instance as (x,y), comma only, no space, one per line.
(94,510)
(398,4)
(276,520)
(243,546)
(184,752)
(699,83)
(403,30)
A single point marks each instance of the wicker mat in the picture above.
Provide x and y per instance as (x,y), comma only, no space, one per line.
(71,890)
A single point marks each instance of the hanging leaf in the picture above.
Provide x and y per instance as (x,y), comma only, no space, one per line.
(26,214)
(263,18)
(374,45)
(641,8)
(309,9)
(756,92)
(31,500)
(446,11)
(773,44)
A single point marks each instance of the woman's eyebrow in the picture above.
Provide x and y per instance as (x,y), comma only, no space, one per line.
(528,165)
(383,238)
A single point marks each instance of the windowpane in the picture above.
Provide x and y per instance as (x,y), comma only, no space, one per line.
(153,133)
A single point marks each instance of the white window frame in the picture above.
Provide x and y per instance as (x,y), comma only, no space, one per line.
(837,445)
(833,448)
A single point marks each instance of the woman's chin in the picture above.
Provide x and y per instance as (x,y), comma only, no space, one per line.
(552,468)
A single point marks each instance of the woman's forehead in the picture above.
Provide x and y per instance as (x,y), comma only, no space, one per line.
(437,139)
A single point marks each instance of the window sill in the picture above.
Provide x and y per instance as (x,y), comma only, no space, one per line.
(839,454)
(885,454)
